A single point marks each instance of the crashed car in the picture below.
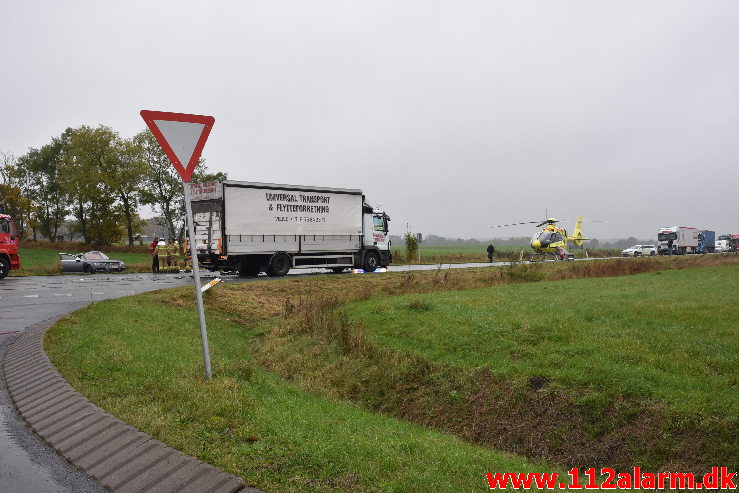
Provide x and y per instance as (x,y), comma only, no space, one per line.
(90,262)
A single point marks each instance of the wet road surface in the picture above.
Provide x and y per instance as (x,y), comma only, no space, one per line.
(27,463)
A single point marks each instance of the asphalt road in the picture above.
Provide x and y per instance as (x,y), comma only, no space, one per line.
(27,464)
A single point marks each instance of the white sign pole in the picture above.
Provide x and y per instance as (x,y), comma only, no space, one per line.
(196,275)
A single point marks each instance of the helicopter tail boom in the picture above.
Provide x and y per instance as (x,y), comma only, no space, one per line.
(577,237)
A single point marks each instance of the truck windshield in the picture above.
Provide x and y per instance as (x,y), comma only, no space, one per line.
(667,236)
(4,226)
(379,222)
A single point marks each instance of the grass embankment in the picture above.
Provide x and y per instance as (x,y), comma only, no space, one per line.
(42,258)
(143,365)
(593,372)
(456,254)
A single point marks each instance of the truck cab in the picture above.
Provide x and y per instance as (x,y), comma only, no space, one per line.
(706,241)
(376,233)
(727,243)
(9,257)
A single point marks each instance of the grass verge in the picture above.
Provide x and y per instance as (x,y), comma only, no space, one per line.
(140,359)
(596,372)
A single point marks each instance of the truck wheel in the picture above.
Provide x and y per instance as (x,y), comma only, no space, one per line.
(371,261)
(89,269)
(4,267)
(279,265)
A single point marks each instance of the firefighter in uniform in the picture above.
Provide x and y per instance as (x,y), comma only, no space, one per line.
(174,254)
(161,251)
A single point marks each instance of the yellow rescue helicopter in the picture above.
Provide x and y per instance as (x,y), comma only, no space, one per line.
(553,240)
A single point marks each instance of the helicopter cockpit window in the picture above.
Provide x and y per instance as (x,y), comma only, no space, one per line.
(549,237)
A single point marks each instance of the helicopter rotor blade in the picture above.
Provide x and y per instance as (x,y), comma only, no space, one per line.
(514,224)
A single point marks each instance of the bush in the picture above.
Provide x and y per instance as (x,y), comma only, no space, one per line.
(411,247)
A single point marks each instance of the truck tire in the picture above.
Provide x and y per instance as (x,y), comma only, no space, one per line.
(4,267)
(279,265)
(371,261)
(89,269)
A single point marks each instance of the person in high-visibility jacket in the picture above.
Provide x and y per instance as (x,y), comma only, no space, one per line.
(174,255)
(161,251)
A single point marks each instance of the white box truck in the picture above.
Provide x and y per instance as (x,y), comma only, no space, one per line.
(677,240)
(272,228)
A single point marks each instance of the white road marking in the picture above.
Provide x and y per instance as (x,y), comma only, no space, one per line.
(62,294)
(31,296)
(126,292)
(97,292)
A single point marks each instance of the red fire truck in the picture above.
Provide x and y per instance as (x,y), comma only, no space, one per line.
(9,257)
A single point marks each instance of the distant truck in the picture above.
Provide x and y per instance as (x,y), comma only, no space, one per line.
(727,243)
(706,241)
(272,228)
(9,256)
(677,240)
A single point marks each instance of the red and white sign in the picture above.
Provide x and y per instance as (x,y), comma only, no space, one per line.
(181,136)
(206,191)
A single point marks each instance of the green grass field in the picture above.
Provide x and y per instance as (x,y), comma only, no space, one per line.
(147,368)
(671,336)
(425,384)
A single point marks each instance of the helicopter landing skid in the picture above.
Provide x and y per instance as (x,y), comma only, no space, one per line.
(542,256)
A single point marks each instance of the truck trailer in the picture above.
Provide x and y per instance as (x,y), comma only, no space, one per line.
(706,241)
(266,227)
(9,255)
(677,240)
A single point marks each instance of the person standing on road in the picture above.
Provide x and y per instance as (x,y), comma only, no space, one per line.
(154,256)
(174,255)
(491,252)
(161,253)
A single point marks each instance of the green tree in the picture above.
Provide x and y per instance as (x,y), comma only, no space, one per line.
(127,173)
(89,157)
(50,206)
(16,196)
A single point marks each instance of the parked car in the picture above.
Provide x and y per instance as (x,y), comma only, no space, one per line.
(639,250)
(90,262)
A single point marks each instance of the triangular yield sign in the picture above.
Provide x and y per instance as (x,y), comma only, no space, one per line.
(181,136)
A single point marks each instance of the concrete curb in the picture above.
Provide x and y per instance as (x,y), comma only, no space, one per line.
(117,455)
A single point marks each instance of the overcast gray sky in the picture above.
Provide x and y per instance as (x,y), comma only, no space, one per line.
(454,116)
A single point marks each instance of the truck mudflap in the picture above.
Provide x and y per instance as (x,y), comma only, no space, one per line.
(386,258)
